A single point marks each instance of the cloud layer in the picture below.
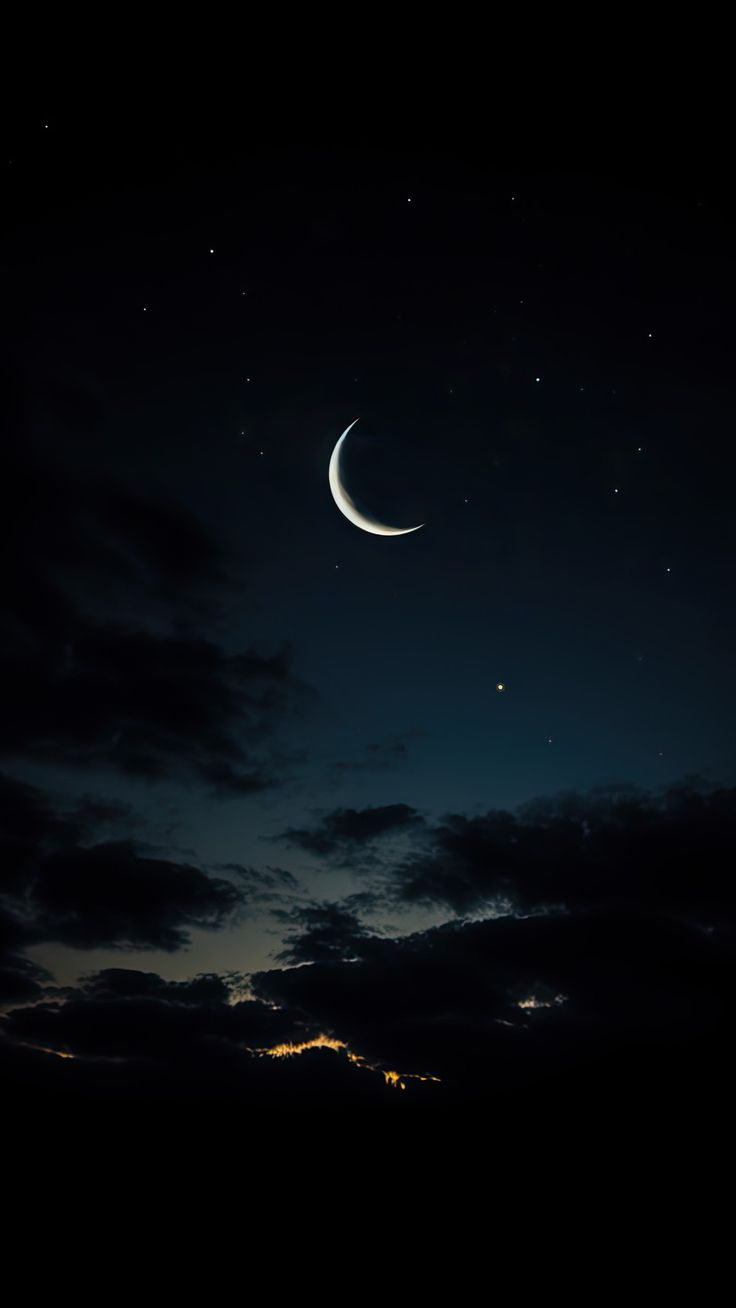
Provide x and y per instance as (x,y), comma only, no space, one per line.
(59,881)
(606,985)
(102,659)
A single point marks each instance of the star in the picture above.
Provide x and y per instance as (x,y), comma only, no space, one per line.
(537,379)
(500,685)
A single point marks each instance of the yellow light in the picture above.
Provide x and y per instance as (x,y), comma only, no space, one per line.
(533,1002)
(500,685)
(397,1080)
(288,1050)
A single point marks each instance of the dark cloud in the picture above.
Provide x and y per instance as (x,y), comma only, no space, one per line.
(28,824)
(100,663)
(606,989)
(523,1003)
(61,884)
(133,1038)
(113,894)
(262,884)
(168,547)
(340,832)
(92,812)
(147,705)
(129,983)
(320,932)
(125,1014)
(21,980)
(613,846)
(609,966)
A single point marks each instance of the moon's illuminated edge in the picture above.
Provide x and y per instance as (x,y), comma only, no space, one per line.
(348,506)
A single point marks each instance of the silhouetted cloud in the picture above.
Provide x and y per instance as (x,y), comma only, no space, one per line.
(266,884)
(605,956)
(606,986)
(21,980)
(512,1003)
(132,1037)
(339,832)
(113,894)
(99,664)
(318,932)
(617,845)
(121,1013)
(58,886)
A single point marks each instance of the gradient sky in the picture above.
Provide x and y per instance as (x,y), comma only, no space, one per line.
(542,369)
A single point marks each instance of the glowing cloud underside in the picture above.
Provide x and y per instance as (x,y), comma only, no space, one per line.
(288,1050)
(533,1002)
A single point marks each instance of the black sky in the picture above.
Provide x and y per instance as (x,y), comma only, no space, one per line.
(259,785)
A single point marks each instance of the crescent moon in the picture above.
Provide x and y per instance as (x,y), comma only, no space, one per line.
(346,503)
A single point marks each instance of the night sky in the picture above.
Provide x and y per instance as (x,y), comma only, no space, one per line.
(457,805)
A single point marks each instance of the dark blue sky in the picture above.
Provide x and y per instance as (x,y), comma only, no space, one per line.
(542,369)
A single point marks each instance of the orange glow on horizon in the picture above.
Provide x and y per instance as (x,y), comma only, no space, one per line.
(289,1048)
